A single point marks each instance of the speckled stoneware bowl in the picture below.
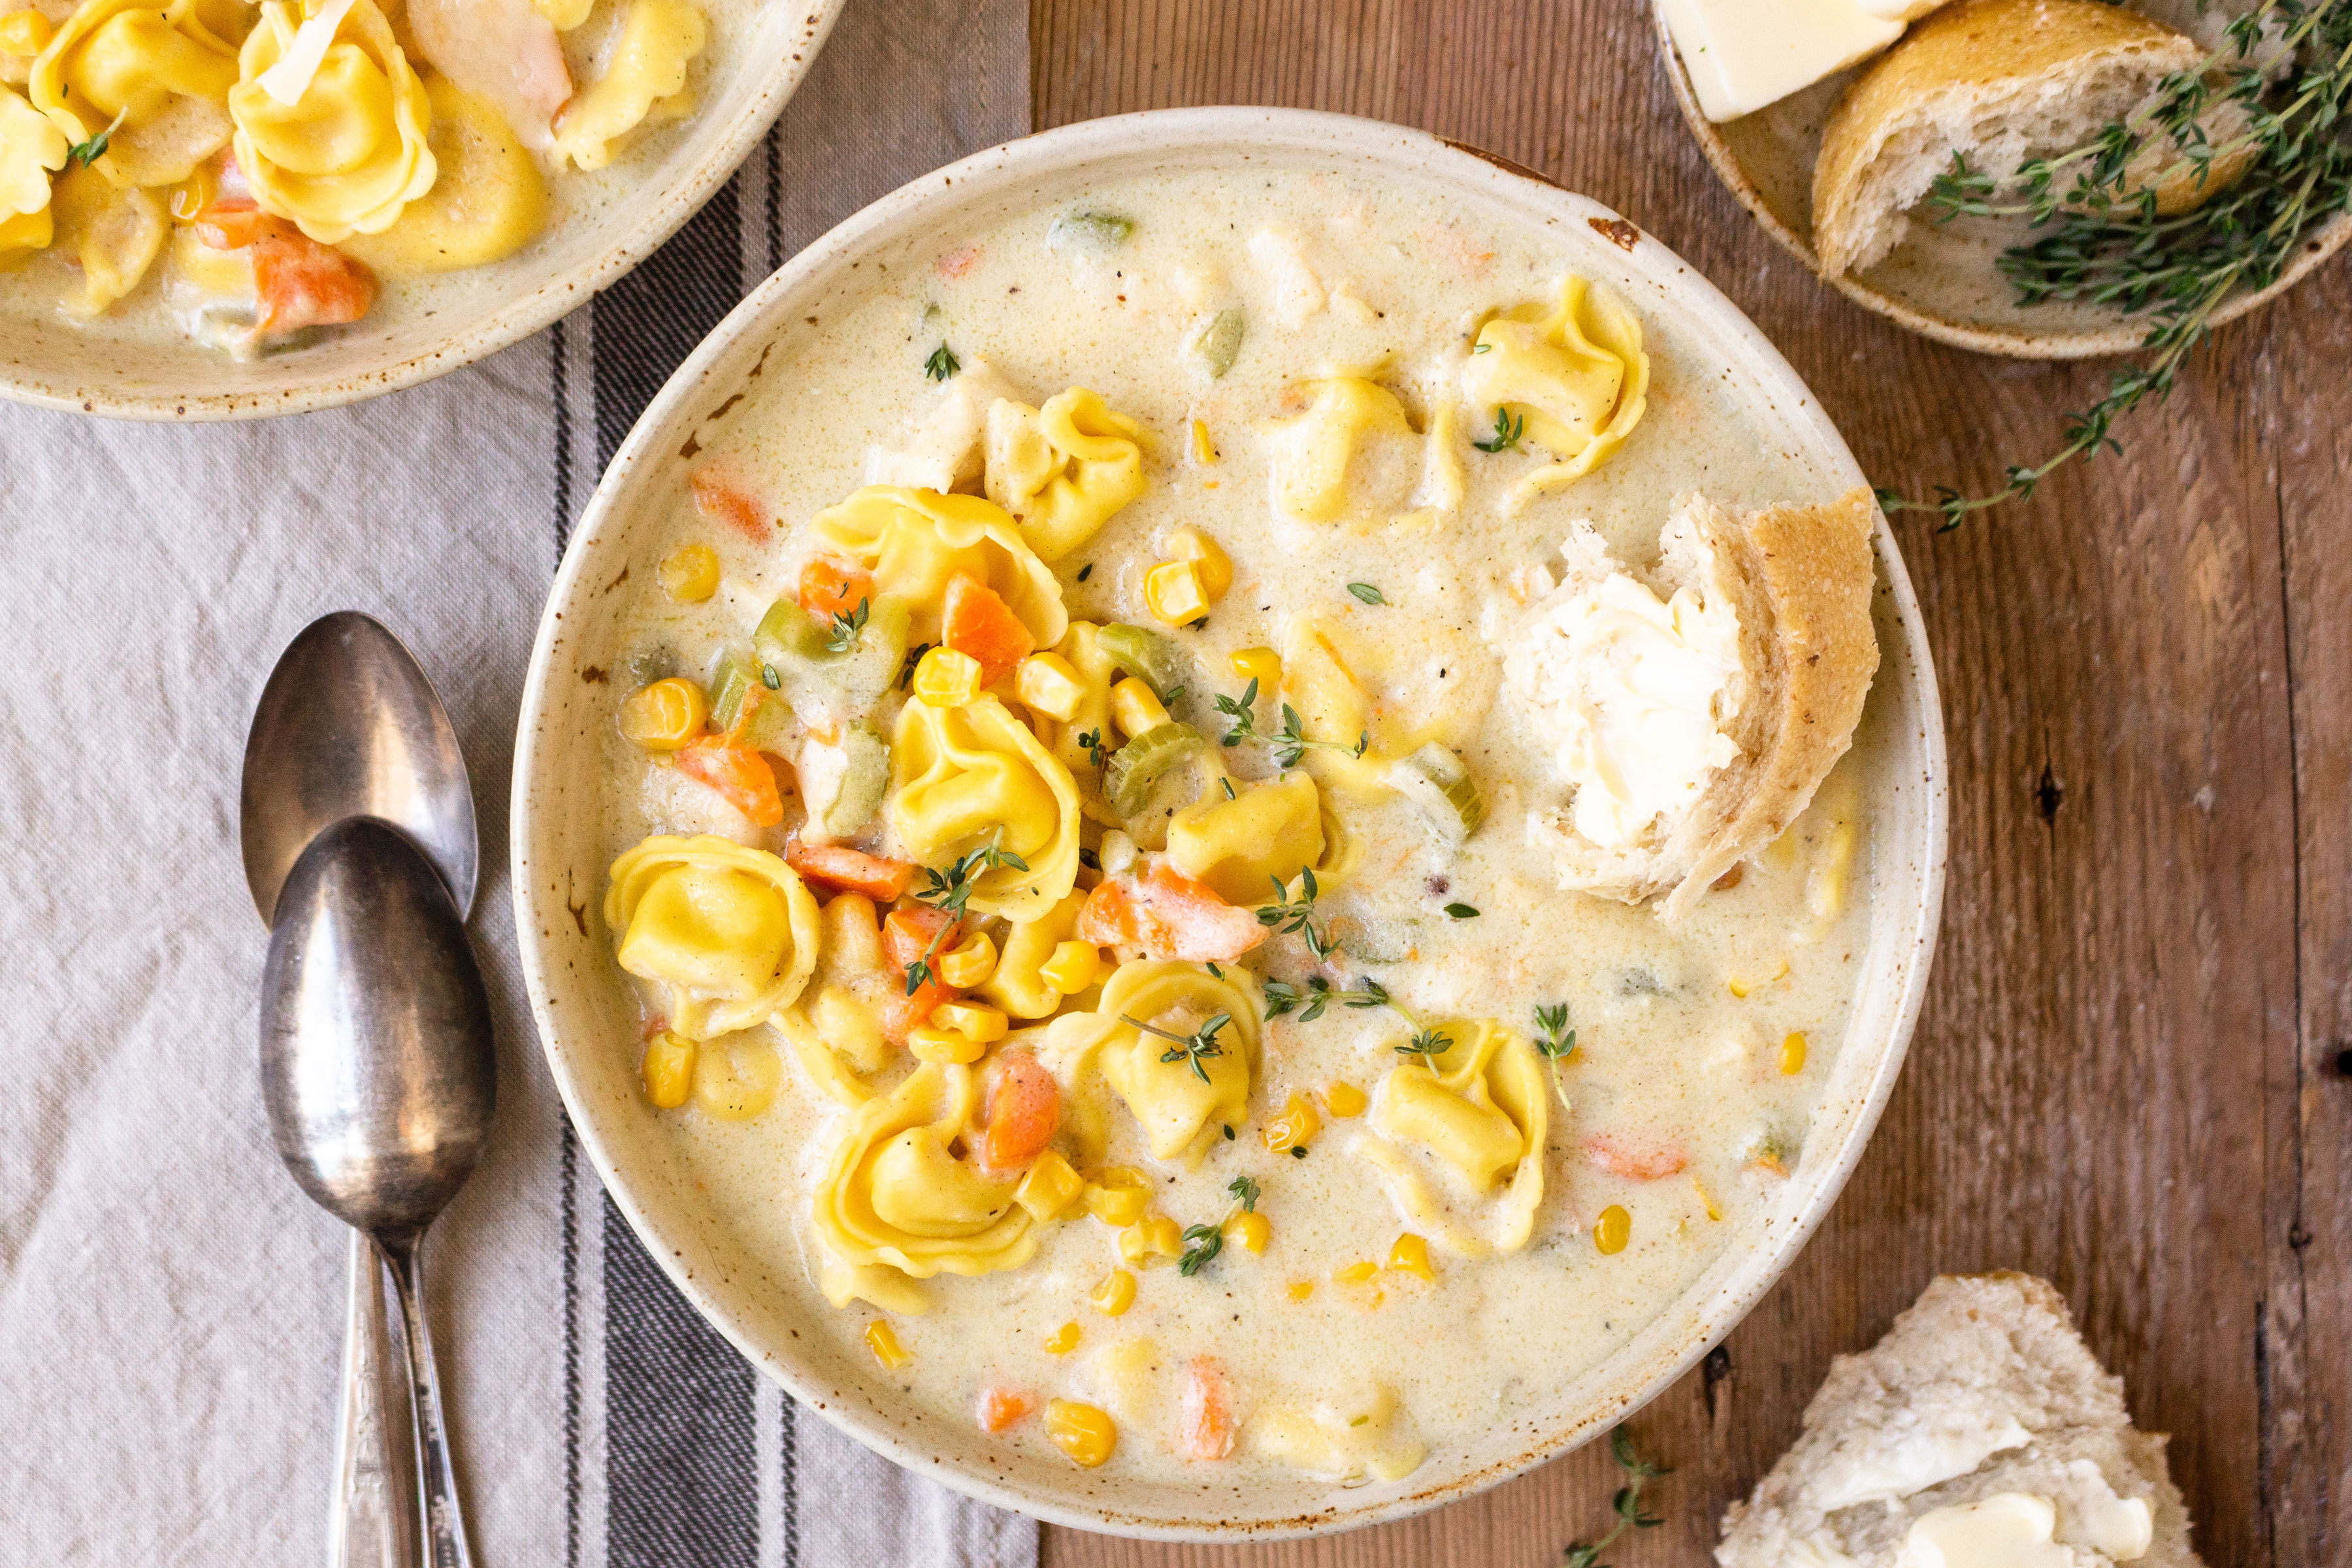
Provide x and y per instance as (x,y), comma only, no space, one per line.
(1943,282)
(45,360)
(588,1020)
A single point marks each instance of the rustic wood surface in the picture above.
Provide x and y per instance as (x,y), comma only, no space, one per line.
(2130,1074)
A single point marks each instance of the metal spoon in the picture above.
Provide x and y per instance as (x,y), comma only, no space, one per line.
(348,725)
(377,1068)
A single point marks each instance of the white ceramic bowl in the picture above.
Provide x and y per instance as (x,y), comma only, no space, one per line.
(46,361)
(587,1019)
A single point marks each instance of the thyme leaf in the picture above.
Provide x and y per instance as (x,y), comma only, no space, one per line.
(1194,1049)
(843,636)
(949,891)
(1626,1505)
(1507,435)
(942,364)
(1291,743)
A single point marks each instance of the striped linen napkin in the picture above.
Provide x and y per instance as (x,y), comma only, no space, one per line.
(170,1303)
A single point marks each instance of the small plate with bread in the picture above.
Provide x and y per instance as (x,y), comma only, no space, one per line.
(1842,124)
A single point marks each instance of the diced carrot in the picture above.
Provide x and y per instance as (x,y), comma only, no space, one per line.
(296,281)
(1025,1106)
(973,620)
(830,589)
(956,263)
(1168,915)
(1108,918)
(738,773)
(906,932)
(902,1014)
(853,870)
(1204,1430)
(233,223)
(1000,1407)
(722,495)
(1634,1162)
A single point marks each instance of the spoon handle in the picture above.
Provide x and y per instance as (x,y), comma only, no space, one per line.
(373,1523)
(445,1522)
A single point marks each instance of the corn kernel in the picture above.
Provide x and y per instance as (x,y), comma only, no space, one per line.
(1155,1235)
(969,963)
(1301,1289)
(738,1083)
(1410,1256)
(29,32)
(1118,1196)
(1792,1055)
(1134,707)
(666,715)
(189,199)
(944,1045)
(1046,682)
(884,1343)
(1050,1187)
(1253,1230)
(1612,1230)
(1356,1273)
(669,1069)
(1175,593)
(1215,566)
(1293,1128)
(1114,1295)
(1262,664)
(945,679)
(976,1021)
(1203,450)
(1063,1341)
(1081,1431)
(691,573)
(1344,1100)
(1074,966)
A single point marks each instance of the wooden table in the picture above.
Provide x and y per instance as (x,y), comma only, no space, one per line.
(2130,1074)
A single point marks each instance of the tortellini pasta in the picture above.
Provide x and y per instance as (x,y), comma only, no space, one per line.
(31,149)
(915,540)
(349,155)
(730,933)
(1081,649)
(1344,1439)
(1318,679)
(488,199)
(155,73)
(836,1027)
(23,233)
(113,231)
(646,80)
(1063,470)
(897,1194)
(1244,847)
(1480,1111)
(564,15)
(1017,985)
(1576,373)
(1352,451)
(1178,1107)
(965,777)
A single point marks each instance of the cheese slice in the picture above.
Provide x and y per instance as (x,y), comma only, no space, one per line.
(1745,54)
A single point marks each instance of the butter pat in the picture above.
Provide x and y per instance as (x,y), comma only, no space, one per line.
(1745,54)
(2007,1529)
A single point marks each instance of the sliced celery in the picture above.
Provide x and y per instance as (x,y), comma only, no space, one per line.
(1434,780)
(797,647)
(1157,661)
(731,678)
(1089,230)
(1218,343)
(773,726)
(1143,762)
(842,785)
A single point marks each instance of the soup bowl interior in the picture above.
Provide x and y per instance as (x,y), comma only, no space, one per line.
(50,360)
(588,1018)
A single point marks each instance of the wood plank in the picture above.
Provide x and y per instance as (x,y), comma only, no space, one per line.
(2108,1075)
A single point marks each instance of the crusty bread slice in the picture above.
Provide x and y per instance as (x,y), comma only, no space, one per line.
(1801,579)
(2001,81)
(1981,1387)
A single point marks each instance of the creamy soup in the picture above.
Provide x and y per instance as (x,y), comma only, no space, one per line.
(1140,579)
(253,177)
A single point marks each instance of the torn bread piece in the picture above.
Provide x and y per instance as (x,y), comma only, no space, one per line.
(1698,704)
(1979,1430)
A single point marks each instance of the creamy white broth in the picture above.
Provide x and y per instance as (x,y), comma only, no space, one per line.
(1668,1058)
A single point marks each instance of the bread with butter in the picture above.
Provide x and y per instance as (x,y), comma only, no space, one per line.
(2001,81)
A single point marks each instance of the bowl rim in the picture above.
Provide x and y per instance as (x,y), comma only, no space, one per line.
(552,298)
(2128,336)
(1245,131)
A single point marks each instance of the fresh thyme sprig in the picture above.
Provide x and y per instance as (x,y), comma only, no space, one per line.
(942,364)
(1245,1190)
(1295,916)
(1507,435)
(1626,1505)
(1290,743)
(1307,1001)
(1556,1042)
(1204,1242)
(1194,1049)
(85,154)
(2115,248)
(1091,744)
(1427,1043)
(843,635)
(907,667)
(949,891)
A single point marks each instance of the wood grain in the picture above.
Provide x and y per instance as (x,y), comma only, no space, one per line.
(2130,1073)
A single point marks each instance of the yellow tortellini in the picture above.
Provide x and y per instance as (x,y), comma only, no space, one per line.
(564,15)
(31,150)
(1482,1111)
(156,73)
(1363,1432)
(1353,449)
(1244,847)
(1320,680)
(349,155)
(1063,469)
(488,199)
(731,933)
(836,1027)
(1179,1105)
(1018,984)
(1081,649)
(914,540)
(114,232)
(898,1196)
(965,777)
(645,80)
(1576,373)
(23,233)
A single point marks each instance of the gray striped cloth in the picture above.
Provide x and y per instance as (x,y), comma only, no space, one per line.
(170,1304)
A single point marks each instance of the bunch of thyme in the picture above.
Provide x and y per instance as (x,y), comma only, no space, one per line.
(2114,248)
(1626,1505)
